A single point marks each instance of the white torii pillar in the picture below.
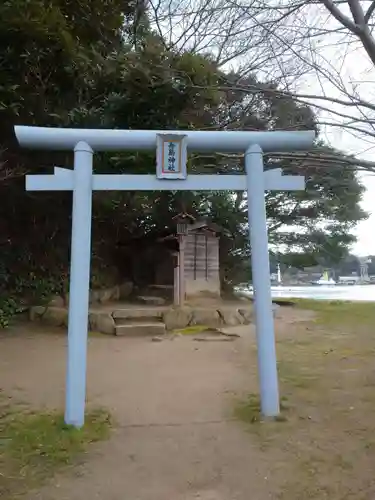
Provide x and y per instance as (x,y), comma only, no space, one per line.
(82,182)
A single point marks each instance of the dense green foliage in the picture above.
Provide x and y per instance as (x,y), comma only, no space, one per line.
(97,64)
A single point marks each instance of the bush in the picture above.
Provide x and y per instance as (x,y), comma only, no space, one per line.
(9,307)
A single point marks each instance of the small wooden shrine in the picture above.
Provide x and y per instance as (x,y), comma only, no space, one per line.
(196,268)
(182,259)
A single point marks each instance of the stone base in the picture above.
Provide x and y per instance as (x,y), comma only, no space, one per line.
(129,320)
(98,296)
(53,316)
(181,317)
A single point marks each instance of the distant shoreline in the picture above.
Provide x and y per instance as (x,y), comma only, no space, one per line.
(352,293)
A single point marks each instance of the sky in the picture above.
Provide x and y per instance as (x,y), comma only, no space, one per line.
(350,68)
(365,149)
(365,230)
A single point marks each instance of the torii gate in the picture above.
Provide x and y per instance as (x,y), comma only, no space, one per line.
(171,175)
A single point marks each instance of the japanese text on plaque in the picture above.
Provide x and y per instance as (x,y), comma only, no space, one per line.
(172,160)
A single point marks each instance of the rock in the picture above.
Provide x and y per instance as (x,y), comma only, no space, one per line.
(247,315)
(207,317)
(102,322)
(231,317)
(54,316)
(97,296)
(36,312)
(106,324)
(152,301)
(94,296)
(177,318)
(125,289)
(105,295)
(116,293)
(56,301)
(93,321)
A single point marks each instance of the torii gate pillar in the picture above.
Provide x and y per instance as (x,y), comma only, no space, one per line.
(261,277)
(79,287)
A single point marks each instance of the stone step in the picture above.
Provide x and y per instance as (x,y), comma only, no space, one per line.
(147,313)
(140,329)
(141,319)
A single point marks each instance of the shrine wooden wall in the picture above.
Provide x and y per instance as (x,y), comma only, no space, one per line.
(201,263)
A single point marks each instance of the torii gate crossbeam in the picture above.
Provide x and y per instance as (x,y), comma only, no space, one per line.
(82,182)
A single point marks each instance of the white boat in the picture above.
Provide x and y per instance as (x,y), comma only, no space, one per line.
(325,280)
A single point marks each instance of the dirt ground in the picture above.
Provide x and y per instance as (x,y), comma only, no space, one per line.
(173,402)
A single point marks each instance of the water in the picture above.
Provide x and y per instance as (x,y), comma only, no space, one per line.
(337,292)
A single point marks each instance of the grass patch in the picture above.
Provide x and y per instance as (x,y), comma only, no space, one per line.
(192,330)
(93,333)
(249,410)
(326,447)
(293,375)
(34,445)
(339,312)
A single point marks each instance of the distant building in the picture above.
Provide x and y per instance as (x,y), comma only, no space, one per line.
(293,276)
(349,280)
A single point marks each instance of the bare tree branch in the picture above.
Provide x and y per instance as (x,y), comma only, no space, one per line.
(305,47)
(369,12)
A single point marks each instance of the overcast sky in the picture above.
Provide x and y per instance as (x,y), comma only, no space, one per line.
(357,74)
(363,148)
(366,230)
